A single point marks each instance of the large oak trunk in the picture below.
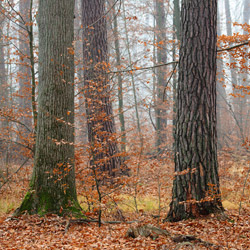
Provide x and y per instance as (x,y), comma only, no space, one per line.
(52,188)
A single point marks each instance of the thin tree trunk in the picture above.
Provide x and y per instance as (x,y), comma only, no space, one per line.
(245,78)
(120,85)
(27,80)
(4,93)
(160,107)
(196,183)
(103,148)
(221,95)
(52,188)
(176,36)
(234,80)
(132,79)
(24,71)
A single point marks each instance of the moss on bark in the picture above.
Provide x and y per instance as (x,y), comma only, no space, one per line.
(45,204)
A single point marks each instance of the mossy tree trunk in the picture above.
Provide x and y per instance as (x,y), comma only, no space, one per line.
(103,148)
(52,188)
(196,183)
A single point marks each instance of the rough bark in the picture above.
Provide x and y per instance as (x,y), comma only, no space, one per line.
(103,148)
(160,108)
(52,188)
(196,183)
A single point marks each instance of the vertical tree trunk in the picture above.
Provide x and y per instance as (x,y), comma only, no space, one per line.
(176,36)
(120,85)
(137,116)
(104,152)
(160,108)
(52,188)
(24,68)
(4,90)
(236,100)
(244,108)
(27,79)
(196,184)
(221,107)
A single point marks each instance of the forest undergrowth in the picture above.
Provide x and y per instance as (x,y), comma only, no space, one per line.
(142,200)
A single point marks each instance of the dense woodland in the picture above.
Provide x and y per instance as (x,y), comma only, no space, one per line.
(124,124)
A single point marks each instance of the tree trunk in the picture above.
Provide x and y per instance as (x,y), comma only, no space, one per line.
(196,184)
(160,108)
(120,85)
(52,188)
(244,110)
(137,116)
(4,92)
(176,36)
(103,148)
(24,68)
(236,100)
(221,107)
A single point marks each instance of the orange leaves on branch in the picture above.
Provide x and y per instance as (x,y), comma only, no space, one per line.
(132,18)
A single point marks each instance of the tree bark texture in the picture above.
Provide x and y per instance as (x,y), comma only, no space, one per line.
(103,148)
(196,183)
(160,109)
(52,188)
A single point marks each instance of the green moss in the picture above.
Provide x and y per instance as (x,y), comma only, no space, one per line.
(43,204)
(26,204)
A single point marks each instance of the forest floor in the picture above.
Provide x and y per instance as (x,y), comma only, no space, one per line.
(212,232)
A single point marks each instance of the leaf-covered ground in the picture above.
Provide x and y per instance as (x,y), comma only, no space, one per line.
(33,232)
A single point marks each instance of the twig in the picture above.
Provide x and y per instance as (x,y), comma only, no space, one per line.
(14,173)
(145,68)
(233,47)
(174,62)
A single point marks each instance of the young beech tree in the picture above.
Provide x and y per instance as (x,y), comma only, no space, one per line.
(196,184)
(103,148)
(52,188)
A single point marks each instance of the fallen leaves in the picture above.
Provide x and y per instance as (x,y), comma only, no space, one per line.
(33,232)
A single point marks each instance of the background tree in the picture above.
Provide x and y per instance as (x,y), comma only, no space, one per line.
(196,184)
(52,188)
(120,80)
(160,108)
(103,148)
(4,91)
